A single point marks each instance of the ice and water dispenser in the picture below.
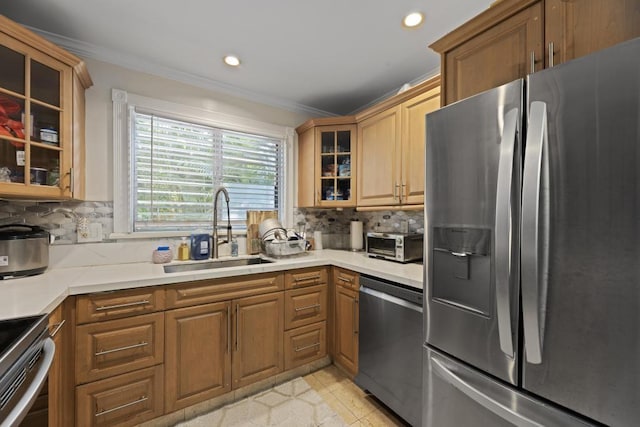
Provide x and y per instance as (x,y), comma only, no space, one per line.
(462,268)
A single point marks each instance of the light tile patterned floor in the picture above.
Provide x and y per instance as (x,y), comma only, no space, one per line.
(324,398)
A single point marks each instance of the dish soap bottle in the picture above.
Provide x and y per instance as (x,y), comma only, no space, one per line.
(234,247)
(183,250)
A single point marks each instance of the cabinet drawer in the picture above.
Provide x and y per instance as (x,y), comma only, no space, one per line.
(118,304)
(305,277)
(125,400)
(304,344)
(118,346)
(346,278)
(305,306)
(214,290)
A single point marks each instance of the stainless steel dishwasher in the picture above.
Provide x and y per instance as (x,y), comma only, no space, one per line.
(390,346)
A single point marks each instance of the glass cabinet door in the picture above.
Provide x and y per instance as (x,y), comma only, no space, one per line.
(33,121)
(336,157)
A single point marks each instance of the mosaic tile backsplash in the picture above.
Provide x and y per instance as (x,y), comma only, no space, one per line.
(66,221)
(69,221)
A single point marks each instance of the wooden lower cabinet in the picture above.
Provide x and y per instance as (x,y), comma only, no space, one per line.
(123,400)
(346,328)
(113,347)
(54,406)
(304,344)
(305,305)
(197,354)
(257,338)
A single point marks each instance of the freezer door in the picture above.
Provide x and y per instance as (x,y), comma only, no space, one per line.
(457,395)
(581,236)
(472,203)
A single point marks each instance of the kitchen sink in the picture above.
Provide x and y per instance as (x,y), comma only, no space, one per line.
(177,268)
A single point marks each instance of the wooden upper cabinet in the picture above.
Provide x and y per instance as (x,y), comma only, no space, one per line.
(575,28)
(516,37)
(391,149)
(326,162)
(379,159)
(42,114)
(505,52)
(413,143)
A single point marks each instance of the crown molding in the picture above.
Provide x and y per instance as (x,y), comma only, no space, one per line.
(100,53)
(426,76)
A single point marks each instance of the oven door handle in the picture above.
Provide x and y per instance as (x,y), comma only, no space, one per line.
(26,401)
(390,298)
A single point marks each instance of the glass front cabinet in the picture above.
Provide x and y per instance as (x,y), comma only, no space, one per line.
(326,162)
(41,117)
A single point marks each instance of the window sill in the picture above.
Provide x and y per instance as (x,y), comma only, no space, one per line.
(164,234)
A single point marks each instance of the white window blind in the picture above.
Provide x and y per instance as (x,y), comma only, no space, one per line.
(177,166)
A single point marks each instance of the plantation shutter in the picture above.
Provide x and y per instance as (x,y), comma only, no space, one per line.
(179,165)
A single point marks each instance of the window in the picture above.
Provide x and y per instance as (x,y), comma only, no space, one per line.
(177,161)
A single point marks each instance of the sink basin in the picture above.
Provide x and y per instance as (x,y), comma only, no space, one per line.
(176,268)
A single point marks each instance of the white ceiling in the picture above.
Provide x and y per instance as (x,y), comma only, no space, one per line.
(320,57)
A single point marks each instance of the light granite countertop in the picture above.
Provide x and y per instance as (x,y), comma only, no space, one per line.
(42,293)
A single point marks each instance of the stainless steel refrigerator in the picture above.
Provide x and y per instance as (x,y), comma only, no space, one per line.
(532,258)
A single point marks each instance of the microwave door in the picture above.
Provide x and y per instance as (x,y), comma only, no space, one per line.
(382,246)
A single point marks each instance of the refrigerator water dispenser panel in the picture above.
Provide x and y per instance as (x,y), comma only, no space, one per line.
(462,268)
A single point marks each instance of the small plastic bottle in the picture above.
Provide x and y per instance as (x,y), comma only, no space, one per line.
(183,250)
(234,247)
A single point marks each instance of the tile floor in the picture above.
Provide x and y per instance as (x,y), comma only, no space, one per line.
(326,398)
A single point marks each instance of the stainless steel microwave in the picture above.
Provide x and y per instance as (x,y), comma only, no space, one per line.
(399,247)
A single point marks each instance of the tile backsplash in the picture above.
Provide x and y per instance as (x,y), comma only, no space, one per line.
(94,220)
(64,219)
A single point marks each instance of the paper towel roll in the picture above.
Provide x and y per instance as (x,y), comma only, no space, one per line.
(356,235)
(317,239)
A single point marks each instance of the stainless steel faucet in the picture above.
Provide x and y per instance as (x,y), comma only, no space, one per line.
(215,242)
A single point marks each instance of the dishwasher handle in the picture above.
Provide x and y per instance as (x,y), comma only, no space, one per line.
(390,298)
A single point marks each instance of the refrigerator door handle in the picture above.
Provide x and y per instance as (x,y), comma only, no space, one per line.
(533,282)
(504,232)
(481,392)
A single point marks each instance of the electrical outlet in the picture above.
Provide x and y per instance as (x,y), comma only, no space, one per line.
(91,233)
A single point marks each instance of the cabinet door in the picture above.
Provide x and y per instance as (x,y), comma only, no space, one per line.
(304,344)
(113,347)
(61,374)
(576,28)
(258,338)
(499,55)
(124,400)
(346,334)
(197,354)
(413,144)
(334,165)
(379,159)
(305,306)
(306,169)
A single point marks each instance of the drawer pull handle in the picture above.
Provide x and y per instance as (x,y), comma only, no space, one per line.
(129,304)
(56,328)
(307,347)
(126,405)
(129,347)
(309,307)
(345,279)
(304,279)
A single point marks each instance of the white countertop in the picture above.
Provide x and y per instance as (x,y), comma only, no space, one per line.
(44,292)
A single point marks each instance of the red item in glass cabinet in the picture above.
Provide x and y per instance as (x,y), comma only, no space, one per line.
(9,127)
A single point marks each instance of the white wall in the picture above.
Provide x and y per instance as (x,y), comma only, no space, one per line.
(99,147)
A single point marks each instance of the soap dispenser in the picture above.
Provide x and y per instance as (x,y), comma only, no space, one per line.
(183,250)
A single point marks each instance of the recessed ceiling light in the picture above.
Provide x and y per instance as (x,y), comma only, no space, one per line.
(413,19)
(232,60)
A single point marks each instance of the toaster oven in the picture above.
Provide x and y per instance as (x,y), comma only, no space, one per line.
(400,247)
